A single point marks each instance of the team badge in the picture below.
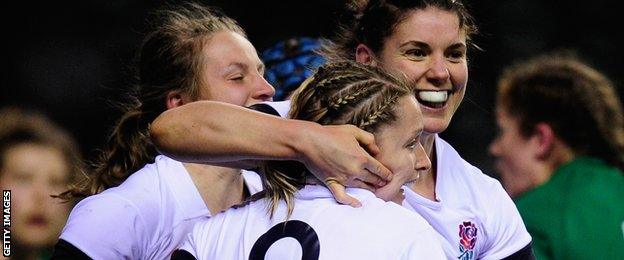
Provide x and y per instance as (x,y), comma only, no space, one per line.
(467,240)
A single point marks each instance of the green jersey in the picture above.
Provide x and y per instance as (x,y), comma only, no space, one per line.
(578,213)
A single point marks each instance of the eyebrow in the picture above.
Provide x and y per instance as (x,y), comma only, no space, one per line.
(237,65)
(416,43)
(244,67)
(426,46)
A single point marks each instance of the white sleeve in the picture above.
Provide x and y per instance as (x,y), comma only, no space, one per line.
(197,241)
(508,233)
(424,246)
(107,226)
(189,245)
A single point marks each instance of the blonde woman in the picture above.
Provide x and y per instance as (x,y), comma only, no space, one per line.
(301,207)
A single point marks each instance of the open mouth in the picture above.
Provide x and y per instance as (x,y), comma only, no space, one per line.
(433,98)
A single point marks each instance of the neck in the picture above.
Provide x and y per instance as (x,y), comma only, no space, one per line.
(560,155)
(425,185)
(219,187)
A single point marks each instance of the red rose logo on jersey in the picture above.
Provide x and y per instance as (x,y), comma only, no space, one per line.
(468,239)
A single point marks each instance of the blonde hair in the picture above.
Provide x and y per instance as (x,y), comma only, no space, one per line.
(169,59)
(338,93)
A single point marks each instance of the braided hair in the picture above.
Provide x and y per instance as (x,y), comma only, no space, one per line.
(338,93)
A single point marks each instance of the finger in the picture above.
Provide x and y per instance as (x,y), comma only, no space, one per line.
(376,168)
(367,141)
(362,185)
(341,196)
(370,178)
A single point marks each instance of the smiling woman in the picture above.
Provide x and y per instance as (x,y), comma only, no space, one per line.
(193,53)
(300,206)
(426,42)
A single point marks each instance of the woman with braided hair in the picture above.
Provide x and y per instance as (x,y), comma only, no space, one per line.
(560,153)
(425,41)
(302,208)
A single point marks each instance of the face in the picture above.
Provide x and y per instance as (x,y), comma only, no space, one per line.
(233,72)
(400,148)
(429,48)
(34,172)
(514,155)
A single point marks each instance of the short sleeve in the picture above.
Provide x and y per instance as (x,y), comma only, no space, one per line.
(507,233)
(187,248)
(106,226)
(197,242)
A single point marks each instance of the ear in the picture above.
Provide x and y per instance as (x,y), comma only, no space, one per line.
(175,99)
(365,55)
(545,140)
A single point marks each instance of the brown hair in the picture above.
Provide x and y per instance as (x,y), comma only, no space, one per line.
(371,22)
(19,126)
(338,93)
(170,59)
(577,101)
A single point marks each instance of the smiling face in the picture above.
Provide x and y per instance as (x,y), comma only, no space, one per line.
(33,172)
(429,48)
(232,71)
(400,148)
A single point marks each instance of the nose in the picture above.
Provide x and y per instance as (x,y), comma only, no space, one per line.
(40,191)
(438,72)
(263,91)
(494,148)
(422,162)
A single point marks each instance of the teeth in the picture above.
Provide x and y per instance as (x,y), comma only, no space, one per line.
(433,96)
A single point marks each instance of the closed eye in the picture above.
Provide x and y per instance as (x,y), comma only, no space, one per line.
(412,144)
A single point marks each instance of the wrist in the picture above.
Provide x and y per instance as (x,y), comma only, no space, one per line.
(301,139)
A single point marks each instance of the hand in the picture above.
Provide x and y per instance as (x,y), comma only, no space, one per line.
(344,153)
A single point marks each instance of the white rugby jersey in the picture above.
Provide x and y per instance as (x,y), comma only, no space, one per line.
(146,217)
(472,212)
(319,228)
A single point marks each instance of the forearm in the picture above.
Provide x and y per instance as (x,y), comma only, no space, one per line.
(217,133)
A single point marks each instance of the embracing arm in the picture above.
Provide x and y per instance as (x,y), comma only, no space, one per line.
(219,133)
(227,135)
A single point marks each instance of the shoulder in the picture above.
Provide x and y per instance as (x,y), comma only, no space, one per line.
(132,208)
(376,212)
(463,173)
(95,218)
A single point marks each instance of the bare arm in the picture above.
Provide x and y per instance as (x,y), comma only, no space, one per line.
(227,135)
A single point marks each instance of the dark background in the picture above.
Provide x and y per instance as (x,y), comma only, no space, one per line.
(73,59)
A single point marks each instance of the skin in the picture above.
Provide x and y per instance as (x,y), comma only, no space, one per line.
(33,172)
(514,155)
(436,62)
(525,162)
(232,72)
(400,148)
(433,57)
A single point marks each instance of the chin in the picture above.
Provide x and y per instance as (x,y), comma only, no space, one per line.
(435,125)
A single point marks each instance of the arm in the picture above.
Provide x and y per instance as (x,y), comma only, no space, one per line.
(227,135)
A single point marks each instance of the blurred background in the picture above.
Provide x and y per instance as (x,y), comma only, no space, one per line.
(74,59)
